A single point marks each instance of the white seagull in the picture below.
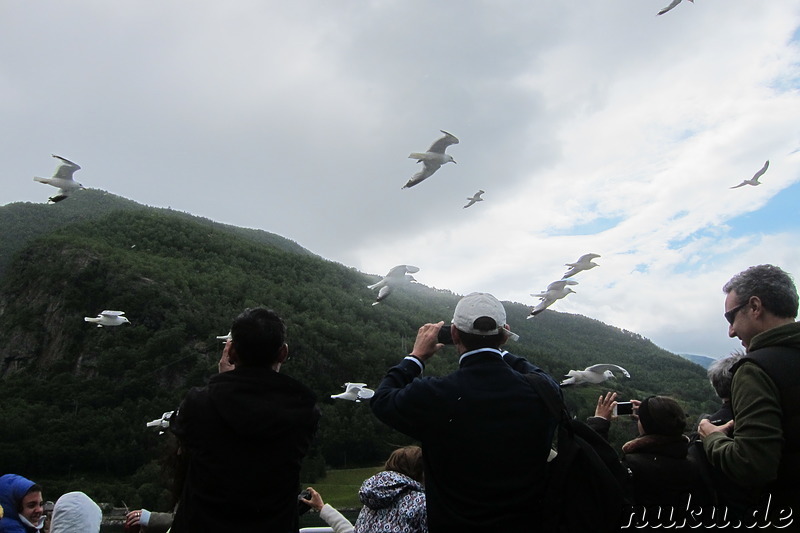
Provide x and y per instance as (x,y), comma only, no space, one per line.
(225,338)
(396,276)
(162,423)
(669,7)
(555,291)
(108,318)
(433,159)
(754,180)
(593,374)
(355,392)
(62,178)
(584,262)
(475,198)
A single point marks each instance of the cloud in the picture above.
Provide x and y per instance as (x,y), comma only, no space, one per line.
(592,128)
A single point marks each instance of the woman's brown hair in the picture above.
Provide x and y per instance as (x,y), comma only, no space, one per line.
(408,461)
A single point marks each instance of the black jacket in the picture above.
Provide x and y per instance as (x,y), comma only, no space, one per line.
(662,474)
(485,437)
(245,435)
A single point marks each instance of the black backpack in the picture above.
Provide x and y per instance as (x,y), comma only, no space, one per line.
(586,484)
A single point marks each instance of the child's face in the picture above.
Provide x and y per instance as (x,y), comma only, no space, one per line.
(32,507)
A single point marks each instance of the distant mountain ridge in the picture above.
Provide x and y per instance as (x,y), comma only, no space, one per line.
(702,360)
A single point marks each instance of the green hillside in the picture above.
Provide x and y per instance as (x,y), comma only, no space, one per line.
(22,222)
(75,398)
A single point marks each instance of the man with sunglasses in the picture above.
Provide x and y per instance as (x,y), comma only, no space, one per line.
(763,449)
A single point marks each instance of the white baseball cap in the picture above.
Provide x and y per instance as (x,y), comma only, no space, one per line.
(479,305)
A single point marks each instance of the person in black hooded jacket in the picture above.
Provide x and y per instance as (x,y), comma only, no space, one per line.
(662,477)
(243,436)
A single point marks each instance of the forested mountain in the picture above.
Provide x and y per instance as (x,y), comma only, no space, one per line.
(23,221)
(75,398)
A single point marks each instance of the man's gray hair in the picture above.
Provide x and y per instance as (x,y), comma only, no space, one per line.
(771,284)
(719,374)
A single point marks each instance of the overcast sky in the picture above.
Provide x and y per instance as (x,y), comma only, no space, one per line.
(593,126)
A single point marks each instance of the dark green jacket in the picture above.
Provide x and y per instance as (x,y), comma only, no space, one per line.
(754,455)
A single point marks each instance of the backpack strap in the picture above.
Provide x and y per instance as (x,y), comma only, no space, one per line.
(554,403)
(567,447)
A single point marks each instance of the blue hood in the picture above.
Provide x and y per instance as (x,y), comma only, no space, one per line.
(12,489)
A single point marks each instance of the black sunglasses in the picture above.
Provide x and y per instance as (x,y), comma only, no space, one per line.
(730,316)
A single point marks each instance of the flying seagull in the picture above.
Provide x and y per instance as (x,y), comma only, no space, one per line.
(162,423)
(475,198)
(396,276)
(62,178)
(355,392)
(434,158)
(108,318)
(584,262)
(593,374)
(225,338)
(754,180)
(555,291)
(669,7)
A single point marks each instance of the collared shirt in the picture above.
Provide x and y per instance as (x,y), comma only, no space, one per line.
(467,354)
(421,365)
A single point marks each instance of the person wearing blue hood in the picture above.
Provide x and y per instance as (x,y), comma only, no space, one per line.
(21,500)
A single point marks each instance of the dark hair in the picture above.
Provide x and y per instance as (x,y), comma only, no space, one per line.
(719,374)
(408,461)
(474,341)
(661,415)
(258,335)
(33,488)
(772,285)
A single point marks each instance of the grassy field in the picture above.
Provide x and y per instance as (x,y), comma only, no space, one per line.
(340,487)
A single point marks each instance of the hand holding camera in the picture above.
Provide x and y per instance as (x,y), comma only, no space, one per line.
(427,342)
(623,408)
(445,335)
(304,502)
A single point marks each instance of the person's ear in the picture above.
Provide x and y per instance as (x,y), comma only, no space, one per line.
(454,334)
(756,306)
(283,353)
(506,331)
(233,357)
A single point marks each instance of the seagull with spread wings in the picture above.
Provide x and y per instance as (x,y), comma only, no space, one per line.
(62,178)
(475,198)
(671,6)
(397,276)
(593,374)
(108,318)
(584,262)
(433,159)
(754,180)
(555,291)
(355,392)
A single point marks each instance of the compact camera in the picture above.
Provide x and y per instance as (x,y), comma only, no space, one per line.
(623,408)
(301,506)
(444,335)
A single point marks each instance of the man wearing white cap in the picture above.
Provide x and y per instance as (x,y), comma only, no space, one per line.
(485,433)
